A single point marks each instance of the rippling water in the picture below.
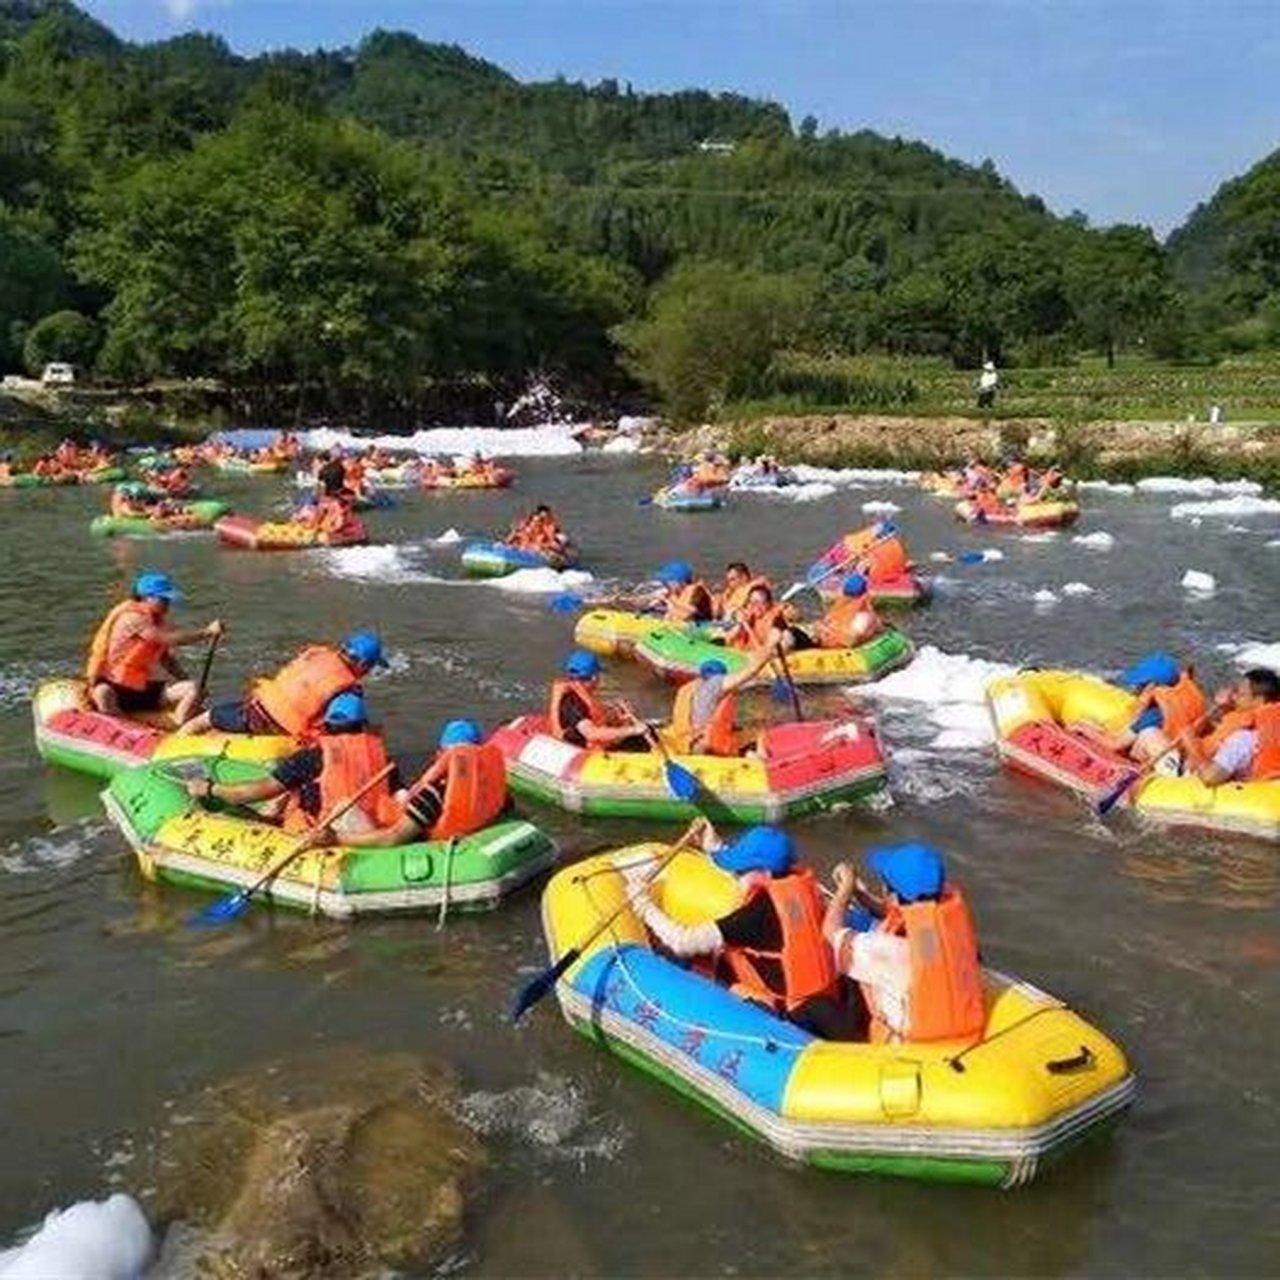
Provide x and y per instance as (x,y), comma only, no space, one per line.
(111,1010)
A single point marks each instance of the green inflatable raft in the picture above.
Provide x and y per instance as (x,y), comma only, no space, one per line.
(193,515)
(180,841)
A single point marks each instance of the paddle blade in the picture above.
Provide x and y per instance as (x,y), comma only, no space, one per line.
(971,557)
(566,603)
(534,990)
(1116,794)
(780,690)
(225,909)
(680,782)
(646,501)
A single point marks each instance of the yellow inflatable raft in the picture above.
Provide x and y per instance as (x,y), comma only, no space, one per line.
(1033,714)
(992,1112)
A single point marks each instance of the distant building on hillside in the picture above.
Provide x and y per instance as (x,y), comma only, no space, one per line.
(711,146)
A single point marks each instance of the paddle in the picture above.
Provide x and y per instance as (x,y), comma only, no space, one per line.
(680,782)
(234,905)
(839,565)
(1118,792)
(570,602)
(785,688)
(536,988)
(203,683)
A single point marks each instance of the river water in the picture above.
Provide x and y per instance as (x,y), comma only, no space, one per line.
(111,1010)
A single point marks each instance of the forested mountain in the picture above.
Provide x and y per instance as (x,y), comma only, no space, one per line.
(361,221)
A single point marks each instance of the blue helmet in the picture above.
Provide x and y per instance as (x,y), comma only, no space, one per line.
(582,665)
(1155,668)
(307,500)
(676,572)
(346,711)
(365,649)
(683,471)
(854,585)
(913,870)
(885,529)
(713,667)
(760,849)
(458,732)
(156,586)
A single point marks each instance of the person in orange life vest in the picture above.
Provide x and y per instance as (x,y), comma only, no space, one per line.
(683,597)
(322,775)
(764,624)
(770,950)
(704,713)
(463,790)
(885,559)
(1169,703)
(131,500)
(293,701)
(732,597)
(850,620)
(1245,745)
(913,951)
(576,714)
(131,665)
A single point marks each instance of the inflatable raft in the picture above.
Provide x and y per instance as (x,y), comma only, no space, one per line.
(1025,515)
(614,633)
(285,535)
(185,844)
(237,465)
(944,484)
(493,478)
(71,732)
(993,1112)
(29,480)
(1033,712)
(194,515)
(497,559)
(678,498)
(676,654)
(801,768)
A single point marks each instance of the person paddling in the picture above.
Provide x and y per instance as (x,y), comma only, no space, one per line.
(578,716)
(131,664)
(704,715)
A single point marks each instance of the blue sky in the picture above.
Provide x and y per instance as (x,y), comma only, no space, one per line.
(1130,110)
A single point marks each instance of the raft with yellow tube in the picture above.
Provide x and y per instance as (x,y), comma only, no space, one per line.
(614,633)
(797,769)
(1054,514)
(70,731)
(1033,713)
(994,1112)
(180,842)
(286,535)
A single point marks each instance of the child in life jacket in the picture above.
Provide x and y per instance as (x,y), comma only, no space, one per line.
(770,950)
(913,950)
(1244,746)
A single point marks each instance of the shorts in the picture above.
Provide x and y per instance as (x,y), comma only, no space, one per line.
(149,699)
(234,716)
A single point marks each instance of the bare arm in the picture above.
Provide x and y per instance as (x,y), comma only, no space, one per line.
(236,792)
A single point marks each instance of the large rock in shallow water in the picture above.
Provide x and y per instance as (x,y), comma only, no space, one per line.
(335,1164)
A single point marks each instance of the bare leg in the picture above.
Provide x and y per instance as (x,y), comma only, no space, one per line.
(198,724)
(181,696)
(103,697)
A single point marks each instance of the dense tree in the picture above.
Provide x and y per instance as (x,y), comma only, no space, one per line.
(64,335)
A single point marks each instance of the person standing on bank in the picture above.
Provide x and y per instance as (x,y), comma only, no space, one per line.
(988,383)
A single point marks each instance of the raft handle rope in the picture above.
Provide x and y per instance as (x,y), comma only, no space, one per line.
(448,870)
(1065,1066)
(956,1062)
(767,1044)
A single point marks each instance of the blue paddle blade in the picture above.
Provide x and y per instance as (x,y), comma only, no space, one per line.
(566,603)
(223,910)
(1116,794)
(680,782)
(646,501)
(780,690)
(971,557)
(534,990)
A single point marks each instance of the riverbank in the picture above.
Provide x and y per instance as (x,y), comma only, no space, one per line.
(1103,450)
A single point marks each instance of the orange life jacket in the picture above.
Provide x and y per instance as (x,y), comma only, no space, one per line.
(1266,756)
(716,737)
(296,696)
(127,663)
(884,561)
(695,598)
(1231,722)
(597,713)
(836,628)
(1180,706)
(808,966)
(758,632)
(474,788)
(944,992)
(349,761)
(733,599)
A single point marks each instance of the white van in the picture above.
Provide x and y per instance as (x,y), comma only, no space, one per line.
(58,375)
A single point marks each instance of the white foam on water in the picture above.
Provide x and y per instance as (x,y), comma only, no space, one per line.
(1256,654)
(92,1240)
(1050,535)
(991,554)
(630,423)
(1199,583)
(60,848)
(1044,597)
(447,538)
(940,557)
(851,477)
(542,581)
(1241,505)
(950,690)
(373,564)
(1201,486)
(621,444)
(1100,540)
(1077,589)
(548,441)
(1106,486)
(881,508)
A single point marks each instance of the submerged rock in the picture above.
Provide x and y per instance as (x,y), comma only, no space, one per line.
(339,1163)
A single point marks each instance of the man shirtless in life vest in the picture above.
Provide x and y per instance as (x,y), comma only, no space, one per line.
(770,950)
(131,665)
(912,950)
